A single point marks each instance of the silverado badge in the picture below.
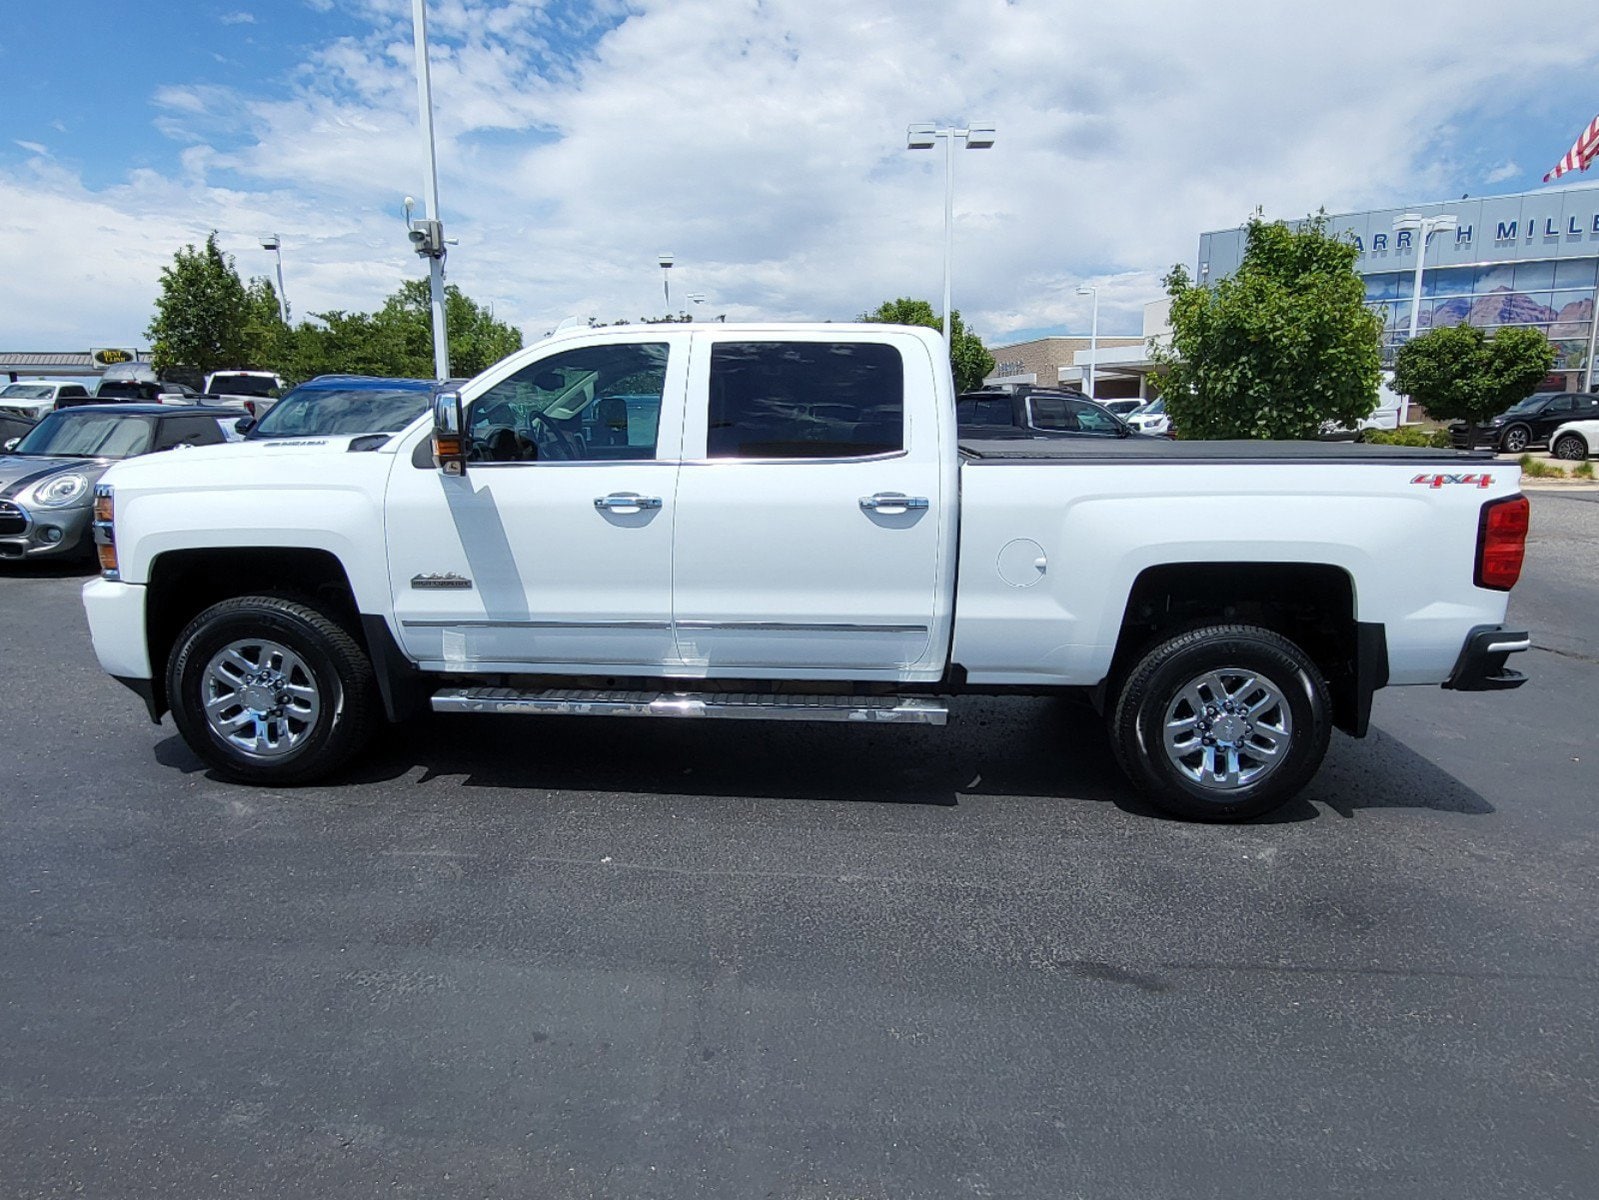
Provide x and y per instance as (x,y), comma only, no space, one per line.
(447,580)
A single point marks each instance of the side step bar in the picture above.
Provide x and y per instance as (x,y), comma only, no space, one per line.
(888,710)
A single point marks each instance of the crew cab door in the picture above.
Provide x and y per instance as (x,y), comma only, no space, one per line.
(811,507)
(552,552)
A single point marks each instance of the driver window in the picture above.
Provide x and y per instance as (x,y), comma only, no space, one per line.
(590,404)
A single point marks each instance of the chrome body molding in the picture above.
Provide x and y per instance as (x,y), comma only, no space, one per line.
(516,623)
(803,627)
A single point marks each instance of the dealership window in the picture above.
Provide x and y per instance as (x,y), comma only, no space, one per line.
(1575,273)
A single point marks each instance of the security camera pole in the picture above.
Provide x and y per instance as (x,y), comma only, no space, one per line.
(427,235)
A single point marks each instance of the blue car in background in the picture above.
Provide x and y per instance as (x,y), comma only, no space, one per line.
(344,405)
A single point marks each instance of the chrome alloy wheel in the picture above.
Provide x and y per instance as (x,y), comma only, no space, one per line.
(260,697)
(1227,729)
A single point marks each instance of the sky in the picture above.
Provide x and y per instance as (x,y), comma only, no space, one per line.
(760,142)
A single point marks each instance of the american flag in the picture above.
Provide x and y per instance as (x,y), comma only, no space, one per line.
(1581,153)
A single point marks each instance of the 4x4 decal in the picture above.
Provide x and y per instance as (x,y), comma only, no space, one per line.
(1438,481)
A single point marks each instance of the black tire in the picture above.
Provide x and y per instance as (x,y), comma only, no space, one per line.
(1570,447)
(1155,686)
(338,669)
(1515,439)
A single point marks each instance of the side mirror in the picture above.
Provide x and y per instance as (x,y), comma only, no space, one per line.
(11,443)
(449,439)
(244,425)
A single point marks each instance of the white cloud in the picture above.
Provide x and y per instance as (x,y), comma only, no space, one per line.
(34,147)
(761,141)
(237,18)
(1501,173)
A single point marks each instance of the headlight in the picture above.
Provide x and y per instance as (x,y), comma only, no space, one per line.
(61,491)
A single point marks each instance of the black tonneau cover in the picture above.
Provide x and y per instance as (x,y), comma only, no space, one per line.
(1014,451)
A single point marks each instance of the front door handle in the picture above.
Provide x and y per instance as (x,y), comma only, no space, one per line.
(891,503)
(626,502)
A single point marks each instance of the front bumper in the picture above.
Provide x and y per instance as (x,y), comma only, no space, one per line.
(116,626)
(43,532)
(1481,665)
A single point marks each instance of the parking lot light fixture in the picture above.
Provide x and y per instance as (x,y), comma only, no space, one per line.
(1423,228)
(666,261)
(1093,335)
(924,136)
(274,243)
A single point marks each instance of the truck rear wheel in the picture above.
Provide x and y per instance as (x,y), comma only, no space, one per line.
(1222,723)
(270,691)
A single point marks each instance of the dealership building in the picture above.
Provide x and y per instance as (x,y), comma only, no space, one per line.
(1530,259)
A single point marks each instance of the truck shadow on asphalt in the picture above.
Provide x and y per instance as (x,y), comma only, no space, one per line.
(995,749)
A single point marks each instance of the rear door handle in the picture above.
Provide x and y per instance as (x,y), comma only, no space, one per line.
(626,502)
(893,502)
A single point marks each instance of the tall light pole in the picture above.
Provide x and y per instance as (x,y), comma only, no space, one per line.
(925,137)
(666,279)
(1093,335)
(428,239)
(274,242)
(1423,228)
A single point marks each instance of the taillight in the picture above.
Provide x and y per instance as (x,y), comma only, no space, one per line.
(249,407)
(1501,542)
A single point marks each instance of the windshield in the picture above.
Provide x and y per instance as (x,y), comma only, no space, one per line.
(96,435)
(321,412)
(25,391)
(242,385)
(1529,404)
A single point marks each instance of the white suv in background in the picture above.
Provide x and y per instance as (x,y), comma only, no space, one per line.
(1575,440)
(35,399)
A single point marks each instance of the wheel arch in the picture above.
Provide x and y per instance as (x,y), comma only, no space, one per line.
(184,583)
(1311,604)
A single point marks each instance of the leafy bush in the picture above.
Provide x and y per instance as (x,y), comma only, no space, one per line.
(1409,435)
(1583,470)
(1536,468)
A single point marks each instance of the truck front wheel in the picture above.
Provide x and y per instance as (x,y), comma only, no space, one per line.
(1221,723)
(270,691)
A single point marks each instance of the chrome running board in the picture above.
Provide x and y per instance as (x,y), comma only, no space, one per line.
(887,710)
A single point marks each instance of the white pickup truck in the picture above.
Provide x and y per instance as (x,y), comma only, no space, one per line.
(778,522)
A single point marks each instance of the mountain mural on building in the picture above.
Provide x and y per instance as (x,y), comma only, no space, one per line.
(1572,320)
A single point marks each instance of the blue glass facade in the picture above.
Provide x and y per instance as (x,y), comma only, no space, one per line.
(1530,259)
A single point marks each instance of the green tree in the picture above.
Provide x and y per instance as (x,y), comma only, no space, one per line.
(202,315)
(477,339)
(1276,350)
(265,333)
(1458,373)
(969,359)
(341,343)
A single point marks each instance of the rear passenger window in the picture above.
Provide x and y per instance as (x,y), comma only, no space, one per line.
(188,431)
(805,400)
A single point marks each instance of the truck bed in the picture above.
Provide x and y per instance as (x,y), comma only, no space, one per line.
(1022,450)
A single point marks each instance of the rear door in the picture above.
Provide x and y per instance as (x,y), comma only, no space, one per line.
(810,506)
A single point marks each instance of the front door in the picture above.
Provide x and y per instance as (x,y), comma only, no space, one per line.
(810,508)
(552,552)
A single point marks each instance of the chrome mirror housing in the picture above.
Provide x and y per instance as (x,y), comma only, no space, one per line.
(449,440)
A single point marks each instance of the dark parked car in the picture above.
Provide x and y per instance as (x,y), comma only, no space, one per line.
(331,405)
(1531,422)
(47,477)
(1031,411)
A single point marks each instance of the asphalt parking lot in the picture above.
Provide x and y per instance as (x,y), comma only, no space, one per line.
(556,958)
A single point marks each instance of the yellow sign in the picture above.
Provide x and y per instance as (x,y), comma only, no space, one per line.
(106,357)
